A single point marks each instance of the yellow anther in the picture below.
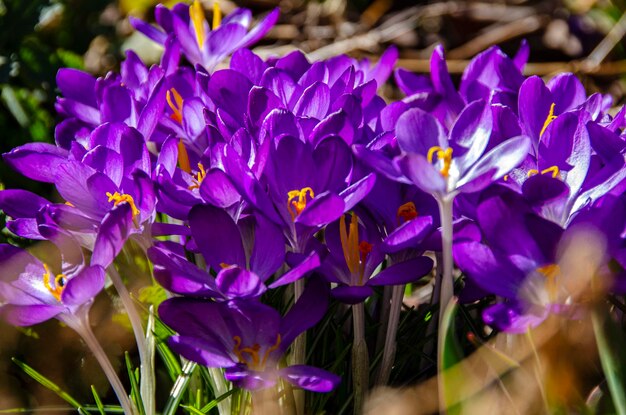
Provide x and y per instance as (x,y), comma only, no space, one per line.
(183,157)
(354,252)
(553,169)
(407,212)
(548,120)
(217,14)
(118,198)
(443,155)
(506,178)
(199,176)
(224,265)
(297,199)
(196,13)
(175,101)
(59,283)
(254,361)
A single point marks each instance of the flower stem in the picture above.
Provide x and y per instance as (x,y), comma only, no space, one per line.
(147,378)
(81,326)
(389,351)
(385,306)
(447,282)
(299,348)
(360,357)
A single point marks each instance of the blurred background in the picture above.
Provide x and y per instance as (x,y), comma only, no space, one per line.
(37,37)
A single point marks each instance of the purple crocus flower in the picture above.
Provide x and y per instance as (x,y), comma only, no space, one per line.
(356,251)
(32,291)
(444,166)
(248,338)
(201,45)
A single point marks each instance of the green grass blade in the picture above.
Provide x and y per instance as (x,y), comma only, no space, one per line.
(96,397)
(49,384)
(449,355)
(134,385)
(206,408)
(179,388)
(610,340)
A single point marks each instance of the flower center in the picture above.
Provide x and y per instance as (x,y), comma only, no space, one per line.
(548,120)
(354,252)
(175,101)
(250,356)
(407,212)
(443,155)
(54,285)
(196,13)
(553,169)
(551,272)
(118,198)
(199,176)
(297,199)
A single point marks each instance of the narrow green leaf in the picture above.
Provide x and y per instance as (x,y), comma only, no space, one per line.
(610,340)
(206,408)
(179,388)
(169,359)
(192,410)
(449,354)
(96,397)
(49,384)
(134,386)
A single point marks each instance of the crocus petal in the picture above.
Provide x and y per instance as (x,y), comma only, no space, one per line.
(314,102)
(403,272)
(37,161)
(203,351)
(422,173)
(307,311)
(408,234)
(308,264)
(235,282)
(417,132)
(217,236)
(29,315)
(470,133)
(77,85)
(323,209)
(21,203)
(509,320)
(534,102)
(310,378)
(357,191)
(84,286)
(568,92)
(268,252)
(352,294)
(115,229)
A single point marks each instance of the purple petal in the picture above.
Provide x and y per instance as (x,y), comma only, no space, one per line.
(37,161)
(308,264)
(268,253)
(21,203)
(29,315)
(83,287)
(310,378)
(357,191)
(314,102)
(409,234)
(235,282)
(355,294)
(112,235)
(417,132)
(217,236)
(404,272)
(77,85)
(307,311)
(323,209)
(568,92)
(423,174)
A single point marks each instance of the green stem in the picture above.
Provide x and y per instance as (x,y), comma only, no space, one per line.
(360,357)
(389,351)
(447,282)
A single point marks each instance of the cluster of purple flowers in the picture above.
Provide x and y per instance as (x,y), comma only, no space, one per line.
(288,172)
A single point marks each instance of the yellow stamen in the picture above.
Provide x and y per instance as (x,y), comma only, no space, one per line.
(217,14)
(296,201)
(224,265)
(254,361)
(407,212)
(548,120)
(200,175)
(506,178)
(176,104)
(59,283)
(196,13)
(118,198)
(354,252)
(183,157)
(69,204)
(443,155)
(553,169)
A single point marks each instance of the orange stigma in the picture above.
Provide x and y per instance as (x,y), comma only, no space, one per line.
(253,360)
(196,13)
(407,212)
(444,155)
(297,199)
(200,175)
(175,101)
(548,120)
(56,286)
(118,198)
(551,272)
(183,157)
